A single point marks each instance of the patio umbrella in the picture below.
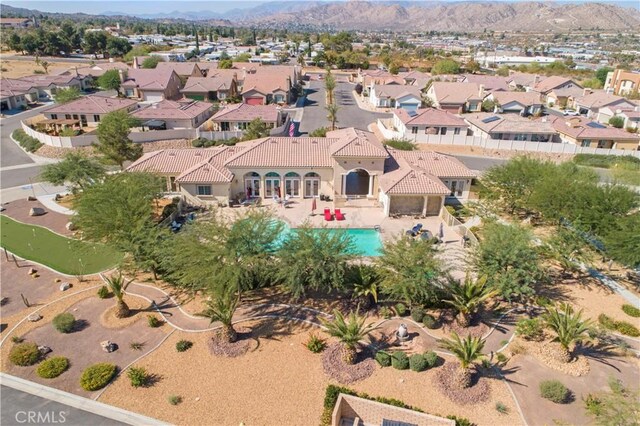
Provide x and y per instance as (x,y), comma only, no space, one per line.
(441,232)
(313,206)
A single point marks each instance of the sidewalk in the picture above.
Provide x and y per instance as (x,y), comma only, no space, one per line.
(49,202)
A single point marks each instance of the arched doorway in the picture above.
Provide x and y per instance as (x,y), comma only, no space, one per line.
(252,184)
(311,185)
(292,184)
(272,184)
(357,182)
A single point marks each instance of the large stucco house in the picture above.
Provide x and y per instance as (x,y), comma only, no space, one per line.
(348,165)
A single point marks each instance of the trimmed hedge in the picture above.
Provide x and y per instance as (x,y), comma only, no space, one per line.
(27,142)
(418,363)
(429,321)
(24,354)
(417,314)
(631,310)
(432,359)
(400,360)
(64,322)
(52,367)
(97,376)
(383,358)
(621,327)
(554,391)
(401,309)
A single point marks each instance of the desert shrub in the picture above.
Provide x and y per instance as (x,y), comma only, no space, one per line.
(432,359)
(400,360)
(27,142)
(401,309)
(52,367)
(385,312)
(138,376)
(554,391)
(627,329)
(103,292)
(401,144)
(17,339)
(501,408)
(136,346)
(429,321)
(417,362)
(153,321)
(24,354)
(606,321)
(417,314)
(199,142)
(631,310)
(97,376)
(460,421)
(530,329)
(64,322)
(320,132)
(183,345)
(502,358)
(593,404)
(315,343)
(68,132)
(383,358)
(174,399)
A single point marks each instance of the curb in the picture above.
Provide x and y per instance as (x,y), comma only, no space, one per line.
(75,401)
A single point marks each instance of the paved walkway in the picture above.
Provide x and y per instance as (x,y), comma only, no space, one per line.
(49,202)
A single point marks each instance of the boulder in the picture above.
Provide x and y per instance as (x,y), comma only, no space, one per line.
(32,271)
(31,198)
(34,317)
(65,286)
(36,211)
(44,349)
(70,226)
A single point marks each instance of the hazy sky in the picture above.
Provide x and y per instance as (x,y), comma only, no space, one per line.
(161,6)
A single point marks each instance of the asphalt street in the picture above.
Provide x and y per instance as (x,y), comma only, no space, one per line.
(19,408)
(349,114)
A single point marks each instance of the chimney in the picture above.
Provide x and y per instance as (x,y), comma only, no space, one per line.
(123,75)
(481,90)
(586,91)
(536,79)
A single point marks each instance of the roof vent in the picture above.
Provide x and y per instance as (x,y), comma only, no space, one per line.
(294,141)
(172,154)
(198,154)
(206,169)
(436,158)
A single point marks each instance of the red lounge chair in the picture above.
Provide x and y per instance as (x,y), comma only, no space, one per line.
(339,215)
(327,215)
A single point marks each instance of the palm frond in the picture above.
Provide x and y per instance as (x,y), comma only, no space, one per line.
(467,350)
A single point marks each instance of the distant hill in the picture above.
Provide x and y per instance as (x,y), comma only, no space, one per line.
(399,15)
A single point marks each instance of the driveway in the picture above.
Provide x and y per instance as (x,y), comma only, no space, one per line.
(349,115)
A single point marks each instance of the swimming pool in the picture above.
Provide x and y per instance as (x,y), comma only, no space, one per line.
(366,241)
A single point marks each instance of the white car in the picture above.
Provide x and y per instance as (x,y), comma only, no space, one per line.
(570,112)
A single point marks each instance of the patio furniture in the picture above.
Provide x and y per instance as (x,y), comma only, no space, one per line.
(426,235)
(339,215)
(416,229)
(411,233)
(327,215)
(323,197)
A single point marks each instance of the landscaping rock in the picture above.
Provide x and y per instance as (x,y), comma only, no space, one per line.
(57,280)
(32,271)
(44,349)
(65,286)
(34,317)
(70,226)
(31,198)
(108,346)
(36,211)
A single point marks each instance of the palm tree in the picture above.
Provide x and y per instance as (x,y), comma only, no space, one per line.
(221,308)
(118,285)
(365,279)
(467,351)
(468,297)
(332,114)
(568,325)
(349,331)
(330,86)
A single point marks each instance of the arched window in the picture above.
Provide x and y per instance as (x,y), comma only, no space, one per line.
(312,175)
(292,184)
(292,175)
(252,184)
(272,185)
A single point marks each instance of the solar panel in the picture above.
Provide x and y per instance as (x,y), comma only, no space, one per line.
(595,125)
(412,113)
(490,119)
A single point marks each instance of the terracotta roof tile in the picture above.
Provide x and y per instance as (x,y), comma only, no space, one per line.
(173,109)
(352,142)
(430,117)
(92,104)
(246,112)
(284,152)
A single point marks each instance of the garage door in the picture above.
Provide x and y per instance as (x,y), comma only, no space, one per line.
(406,205)
(153,97)
(253,101)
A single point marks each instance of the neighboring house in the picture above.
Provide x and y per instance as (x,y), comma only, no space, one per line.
(523,103)
(395,96)
(46,85)
(348,164)
(16,94)
(267,86)
(420,124)
(238,116)
(183,69)
(631,117)
(150,85)
(622,83)
(97,70)
(414,78)
(521,81)
(456,97)
(556,90)
(510,127)
(592,101)
(215,87)
(370,77)
(182,114)
(584,132)
(88,111)
(491,83)
(15,22)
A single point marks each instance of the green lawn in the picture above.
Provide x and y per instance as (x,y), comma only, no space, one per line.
(63,254)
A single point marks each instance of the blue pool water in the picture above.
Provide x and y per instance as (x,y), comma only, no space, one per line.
(366,242)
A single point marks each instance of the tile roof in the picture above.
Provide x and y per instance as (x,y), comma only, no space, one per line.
(266,82)
(274,152)
(600,98)
(149,79)
(523,98)
(492,83)
(166,109)
(396,91)
(405,180)
(99,69)
(212,169)
(92,104)
(455,93)
(352,142)
(434,163)
(523,79)
(246,112)
(181,68)
(584,128)
(552,82)
(508,123)
(430,117)
(207,84)
(171,161)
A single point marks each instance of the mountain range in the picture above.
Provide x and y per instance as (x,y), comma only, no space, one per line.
(401,15)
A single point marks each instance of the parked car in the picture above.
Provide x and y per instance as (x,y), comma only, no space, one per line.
(570,112)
